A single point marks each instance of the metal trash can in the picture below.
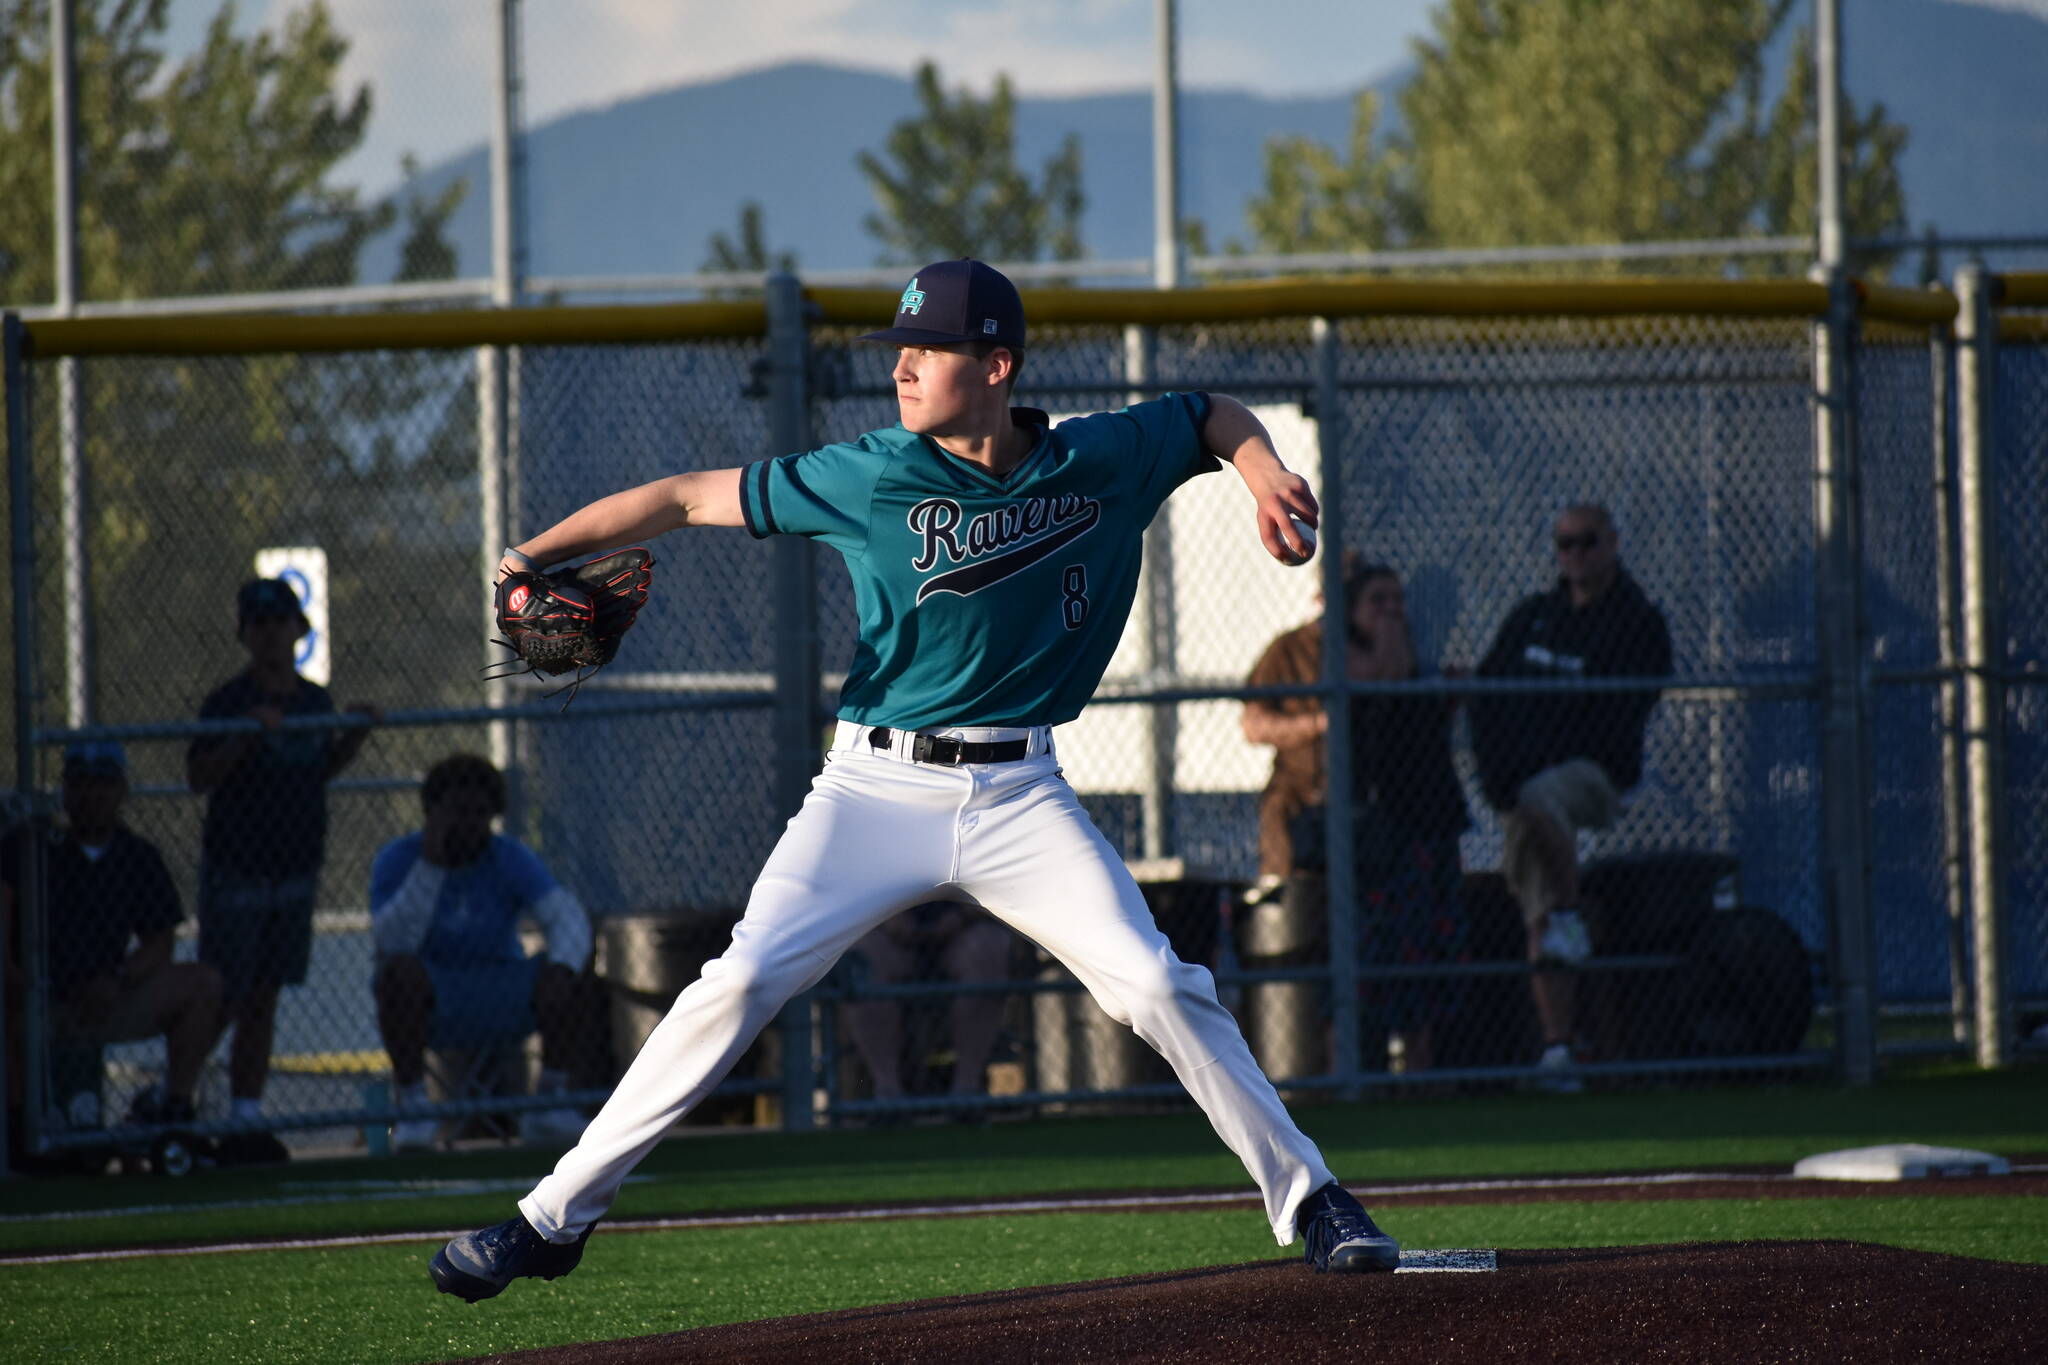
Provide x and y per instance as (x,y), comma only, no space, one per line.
(1282,925)
(1076,1045)
(1079,1047)
(646,960)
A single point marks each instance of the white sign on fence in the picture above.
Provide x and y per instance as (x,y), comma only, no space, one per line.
(304,567)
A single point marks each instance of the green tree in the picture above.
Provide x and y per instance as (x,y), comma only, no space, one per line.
(1314,199)
(215,173)
(1786,151)
(746,252)
(426,253)
(210,175)
(950,185)
(1567,121)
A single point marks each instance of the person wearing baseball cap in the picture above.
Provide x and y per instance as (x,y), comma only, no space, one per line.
(955,303)
(112,915)
(269,599)
(994,558)
(263,838)
(953,312)
(96,758)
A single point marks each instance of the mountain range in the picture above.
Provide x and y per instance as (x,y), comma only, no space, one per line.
(639,187)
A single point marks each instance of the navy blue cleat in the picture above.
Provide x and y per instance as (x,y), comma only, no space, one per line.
(478,1265)
(1338,1235)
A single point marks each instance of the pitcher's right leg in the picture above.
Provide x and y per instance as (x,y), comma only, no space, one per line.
(689,1052)
(822,888)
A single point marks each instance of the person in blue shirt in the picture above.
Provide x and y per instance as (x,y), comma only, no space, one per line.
(994,559)
(445,906)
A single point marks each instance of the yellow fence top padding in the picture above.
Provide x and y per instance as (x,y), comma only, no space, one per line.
(1249,301)
(1354,297)
(2023,330)
(254,333)
(1894,303)
(2025,289)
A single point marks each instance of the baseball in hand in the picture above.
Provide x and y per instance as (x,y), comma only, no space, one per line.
(1307,533)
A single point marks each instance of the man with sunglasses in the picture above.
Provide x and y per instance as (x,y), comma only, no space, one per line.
(1555,762)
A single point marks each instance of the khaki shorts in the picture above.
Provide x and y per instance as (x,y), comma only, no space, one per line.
(1574,795)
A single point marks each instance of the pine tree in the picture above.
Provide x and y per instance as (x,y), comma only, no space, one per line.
(216,174)
(209,176)
(1540,122)
(746,252)
(950,185)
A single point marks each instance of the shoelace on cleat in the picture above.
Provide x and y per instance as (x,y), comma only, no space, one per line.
(501,1243)
(1333,1226)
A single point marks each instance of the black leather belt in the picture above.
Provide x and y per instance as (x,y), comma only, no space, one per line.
(939,749)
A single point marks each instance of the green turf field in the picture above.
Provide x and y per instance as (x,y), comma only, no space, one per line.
(375,1302)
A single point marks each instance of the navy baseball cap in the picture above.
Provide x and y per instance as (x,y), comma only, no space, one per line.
(955,301)
(267,598)
(95,758)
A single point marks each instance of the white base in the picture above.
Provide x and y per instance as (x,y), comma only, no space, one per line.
(1456,1262)
(1900,1161)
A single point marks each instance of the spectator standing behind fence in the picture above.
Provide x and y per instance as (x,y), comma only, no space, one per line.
(264,836)
(112,916)
(957,942)
(1407,806)
(1554,763)
(445,905)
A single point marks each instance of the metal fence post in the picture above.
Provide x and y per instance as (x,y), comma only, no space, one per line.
(1340,878)
(1845,701)
(1954,827)
(1158,641)
(498,389)
(78,641)
(793,578)
(1983,691)
(22,564)
(1160,648)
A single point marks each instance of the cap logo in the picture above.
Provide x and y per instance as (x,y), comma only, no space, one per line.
(913,298)
(988,327)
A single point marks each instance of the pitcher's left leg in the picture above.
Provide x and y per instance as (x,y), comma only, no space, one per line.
(1035,860)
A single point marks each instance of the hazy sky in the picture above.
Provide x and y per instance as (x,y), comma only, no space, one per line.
(428,62)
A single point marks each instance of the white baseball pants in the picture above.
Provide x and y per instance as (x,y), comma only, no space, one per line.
(879,833)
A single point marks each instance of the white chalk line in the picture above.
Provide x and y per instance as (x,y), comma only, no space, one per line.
(349,1192)
(885,1213)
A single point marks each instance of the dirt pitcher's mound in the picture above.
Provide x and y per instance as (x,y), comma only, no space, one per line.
(1717,1302)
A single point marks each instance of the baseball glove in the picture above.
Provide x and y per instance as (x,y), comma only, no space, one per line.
(572,619)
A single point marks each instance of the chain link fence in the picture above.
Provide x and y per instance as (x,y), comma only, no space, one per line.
(1903,513)
(2018,431)
(1448,448)
(189,470)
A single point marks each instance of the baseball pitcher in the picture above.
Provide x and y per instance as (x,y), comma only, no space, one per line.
(994,559)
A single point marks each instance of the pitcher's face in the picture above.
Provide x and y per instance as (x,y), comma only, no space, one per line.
(943,390)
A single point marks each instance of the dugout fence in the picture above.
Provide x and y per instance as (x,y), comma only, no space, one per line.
(1810,873)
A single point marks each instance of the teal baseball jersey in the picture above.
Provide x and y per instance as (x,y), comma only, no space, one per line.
(984,600)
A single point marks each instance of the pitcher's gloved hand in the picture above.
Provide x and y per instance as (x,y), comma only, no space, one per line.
(573,618)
